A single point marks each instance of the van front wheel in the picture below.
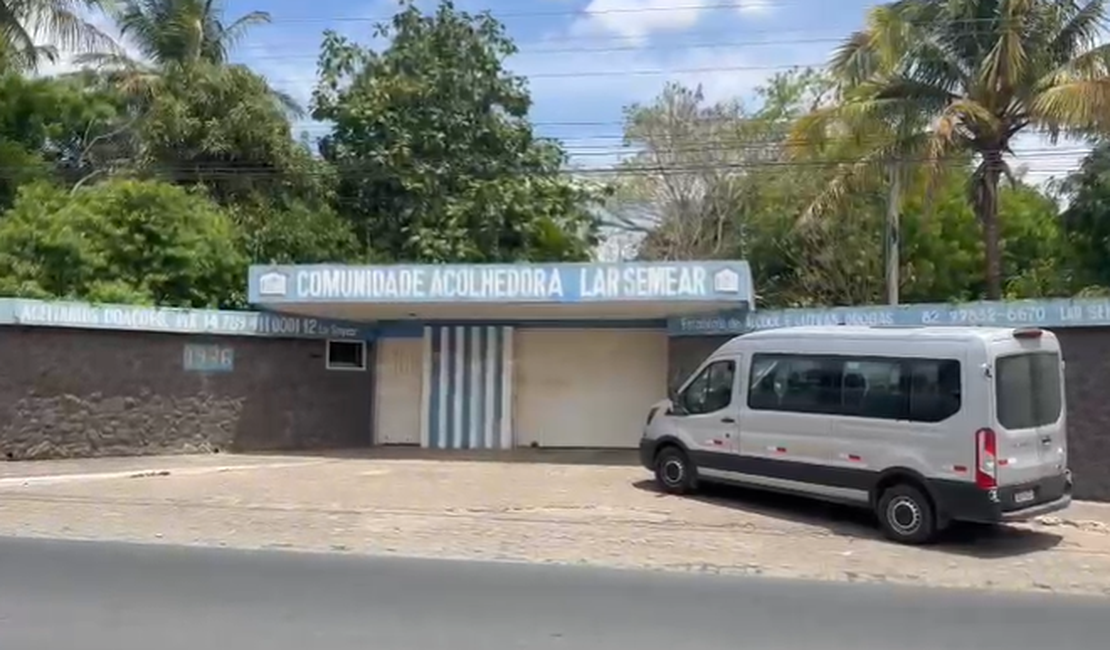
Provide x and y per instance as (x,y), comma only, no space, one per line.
(906,515)
(674,473)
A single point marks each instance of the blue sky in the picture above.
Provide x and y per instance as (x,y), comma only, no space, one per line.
(587,59)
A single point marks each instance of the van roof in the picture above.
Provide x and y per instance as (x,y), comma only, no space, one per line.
(884,333)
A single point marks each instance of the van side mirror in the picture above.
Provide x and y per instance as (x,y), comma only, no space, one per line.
(676,403)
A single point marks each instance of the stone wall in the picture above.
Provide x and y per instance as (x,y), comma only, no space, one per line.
(70,393)
(1087,355)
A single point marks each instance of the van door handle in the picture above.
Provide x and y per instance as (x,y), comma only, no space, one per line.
(729,420)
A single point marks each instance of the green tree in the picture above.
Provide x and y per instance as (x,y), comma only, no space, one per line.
(736,182)
(944,251)
(981,72)
(200,120)
(294,233)
(436,157)
(721,180)
(57,128)
(1087,218)
(127,241)
(222,128)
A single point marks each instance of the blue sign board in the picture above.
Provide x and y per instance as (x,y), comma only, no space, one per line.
(1093,312)
(725,282)
(208,358)
(14,311)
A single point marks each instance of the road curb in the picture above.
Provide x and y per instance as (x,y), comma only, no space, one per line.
(48,479)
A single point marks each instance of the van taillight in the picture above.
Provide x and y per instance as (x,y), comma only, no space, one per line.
(986,459)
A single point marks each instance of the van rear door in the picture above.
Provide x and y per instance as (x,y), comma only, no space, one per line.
(1029,408)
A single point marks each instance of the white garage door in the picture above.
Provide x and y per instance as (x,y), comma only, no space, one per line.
(586,388)
(397,396)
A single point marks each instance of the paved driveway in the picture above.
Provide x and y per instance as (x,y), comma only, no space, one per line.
(539,512)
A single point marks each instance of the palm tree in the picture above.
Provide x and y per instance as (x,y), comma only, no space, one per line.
(840,131)
(25,23)
(978,72)
(183,32)
(177,34)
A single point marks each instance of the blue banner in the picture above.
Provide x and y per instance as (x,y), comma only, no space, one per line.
(723,282)
(1043,313)
(14,311)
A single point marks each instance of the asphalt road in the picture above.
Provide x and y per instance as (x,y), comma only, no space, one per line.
(101,596)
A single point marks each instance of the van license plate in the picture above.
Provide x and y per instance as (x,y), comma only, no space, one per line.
(1024,497)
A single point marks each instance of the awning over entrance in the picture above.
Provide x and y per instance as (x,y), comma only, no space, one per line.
(633,291)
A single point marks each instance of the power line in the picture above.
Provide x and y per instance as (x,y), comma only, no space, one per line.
(614,145)
(618,73)
(528,52)
(553,13)
(631,44)
(220,170)
(588,13)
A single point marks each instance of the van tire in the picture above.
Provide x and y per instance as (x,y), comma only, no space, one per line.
(674,473)
(906,515)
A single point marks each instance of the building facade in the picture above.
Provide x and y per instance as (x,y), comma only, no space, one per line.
(486,357)
(494,356)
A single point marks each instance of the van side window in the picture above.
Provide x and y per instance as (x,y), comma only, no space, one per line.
(883,388)
(874,388)
(935,391)
(795,383)
(711,390)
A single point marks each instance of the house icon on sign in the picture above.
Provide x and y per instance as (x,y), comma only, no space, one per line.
(726,281)
(273,284)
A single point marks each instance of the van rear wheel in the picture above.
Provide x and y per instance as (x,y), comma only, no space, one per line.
(906,515)
(674,473)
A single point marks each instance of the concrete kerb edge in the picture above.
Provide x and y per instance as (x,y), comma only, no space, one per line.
(150,472)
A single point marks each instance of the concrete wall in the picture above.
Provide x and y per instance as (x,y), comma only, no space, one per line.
(66,393)
(1087,355)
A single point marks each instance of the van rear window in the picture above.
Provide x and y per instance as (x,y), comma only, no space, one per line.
(1028,389)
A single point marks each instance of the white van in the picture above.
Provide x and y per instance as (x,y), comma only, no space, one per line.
(924,425)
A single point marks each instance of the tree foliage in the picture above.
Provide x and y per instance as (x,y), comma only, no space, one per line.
(221,127)
(158,179)
(748,193)
(60,129)
(1087,218)
(120,241)
(979,72)
(436,158)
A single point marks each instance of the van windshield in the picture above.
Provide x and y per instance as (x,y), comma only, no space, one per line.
(1027,389)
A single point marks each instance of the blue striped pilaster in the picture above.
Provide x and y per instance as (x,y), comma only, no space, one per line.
(468,402)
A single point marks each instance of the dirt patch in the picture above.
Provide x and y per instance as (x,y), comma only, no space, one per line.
(547,513)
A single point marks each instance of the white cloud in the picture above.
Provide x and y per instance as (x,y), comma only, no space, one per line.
(635,75)
(755,7)
(638,20)
(635,20)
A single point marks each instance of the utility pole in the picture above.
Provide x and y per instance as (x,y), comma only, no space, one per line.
(892,239)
